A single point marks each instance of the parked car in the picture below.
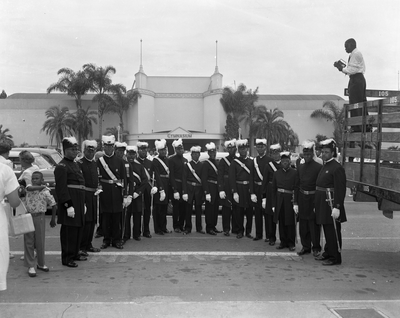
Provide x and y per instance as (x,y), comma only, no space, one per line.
(51,155)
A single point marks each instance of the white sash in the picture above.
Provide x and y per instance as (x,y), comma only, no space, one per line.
(243,166)
(163,164)
(258,169)
(109,172)
(227,161)
(194,173)
(272,166)
(213,166)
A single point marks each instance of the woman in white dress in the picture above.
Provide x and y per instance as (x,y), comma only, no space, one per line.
(8,189)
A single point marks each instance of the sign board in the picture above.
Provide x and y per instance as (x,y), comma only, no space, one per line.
(376,93)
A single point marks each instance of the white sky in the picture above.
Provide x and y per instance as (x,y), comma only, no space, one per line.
(282,47)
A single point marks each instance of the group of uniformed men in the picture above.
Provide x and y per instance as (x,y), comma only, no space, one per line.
(123,183)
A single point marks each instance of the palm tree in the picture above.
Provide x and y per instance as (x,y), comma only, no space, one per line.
(123,102)
(292,139)
(101,84)
(59,124)
(270,125)
(333,113)
(5,137)
(74,84)
(83,123)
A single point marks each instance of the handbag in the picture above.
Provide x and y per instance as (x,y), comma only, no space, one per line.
(21,224)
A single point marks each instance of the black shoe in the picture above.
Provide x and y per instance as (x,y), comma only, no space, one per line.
(94,249)
(118,246)
(280,247)
(104,246)
(226,233)
(185,232)
(80,258)
(321,258)
(316,253)
(83,253)
(201,232)
(71,264)
(166,231)
(257,238)
(239,236)
(211,232)
(303,251)
(137,238)
(217,231)
(44,268)
(292,248)
(272,243)
(148,235)
(177,231)
(266,240)
(330,262)
(160,233)
(249,236)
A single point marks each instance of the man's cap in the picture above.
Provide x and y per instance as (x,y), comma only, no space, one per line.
(177,143)
(285,154)
(69,142)
(131,148)
(275,147)
(308,145)
(108,140)
(230,143)
(195,149)
(160,144)
(4,147)
(261,141)
(242,143)
(328,143)
(211,147)
(142,145)
(120,144)
(92,144)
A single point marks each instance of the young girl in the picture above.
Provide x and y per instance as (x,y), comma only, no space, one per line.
(36,204)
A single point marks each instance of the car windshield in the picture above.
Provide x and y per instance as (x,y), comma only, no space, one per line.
(42,163)
(56,157)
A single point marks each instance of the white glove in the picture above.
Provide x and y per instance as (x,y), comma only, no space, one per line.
(302,161)
(98,191)
(135,196)
(85,209)
(273,209)
(253,198)
(264,203)
(162,195)
(71,212)
(208,197)
(176,195)
(185,197)
(236,197)
(153,190)
(335,213)
(127,202)
(296,208)
(222,195)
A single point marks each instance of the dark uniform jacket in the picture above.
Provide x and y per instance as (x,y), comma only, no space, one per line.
(68,172)
(241,181)
(283,202)
(223,180)
(259,169)
(307,174)
(209,179)
(162,175)
(176,164)
(147,165)
(111,198)
(267,184)
(190,185)
(90,173)
(332,175)
(140,181)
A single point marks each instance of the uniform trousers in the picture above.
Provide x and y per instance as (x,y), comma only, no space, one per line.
(160,217)
(146,212)
(211,215)
(287,233)
(87,235)
(310,234)
(36,240)
(270,227)
(331,248)
(112,227)
(259,219)
(70,242)
(188,218)
(228,219)
(239,214)
(134,212)
(178,213)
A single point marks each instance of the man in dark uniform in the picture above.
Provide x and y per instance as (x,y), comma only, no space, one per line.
(209,181)
(115,195)
(332,178)
(225,193)
(307,173)
(284,185)
(162,174)
(176,164)
(269,170)
(92,190)
(241,182)
(146,197)
(192,190)
(260,163)
(70,191)
(139,182)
